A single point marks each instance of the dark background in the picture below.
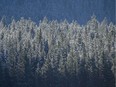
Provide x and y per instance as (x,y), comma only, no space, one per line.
(80,10)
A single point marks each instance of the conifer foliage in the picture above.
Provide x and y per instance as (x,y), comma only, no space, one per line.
(57,54)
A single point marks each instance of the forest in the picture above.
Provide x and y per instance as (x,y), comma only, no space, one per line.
(57,53)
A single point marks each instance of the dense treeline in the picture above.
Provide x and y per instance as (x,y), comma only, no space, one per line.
(57,54)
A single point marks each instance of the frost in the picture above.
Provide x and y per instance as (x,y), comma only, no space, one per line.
(59,50)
